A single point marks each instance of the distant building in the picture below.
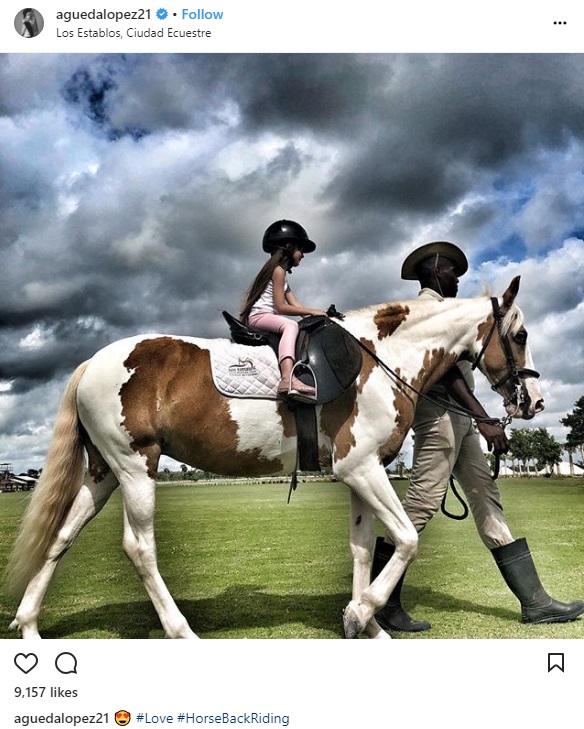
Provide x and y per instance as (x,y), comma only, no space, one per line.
(564,469)
(10,482)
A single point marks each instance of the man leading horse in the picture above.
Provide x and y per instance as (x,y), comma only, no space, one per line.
(446,443)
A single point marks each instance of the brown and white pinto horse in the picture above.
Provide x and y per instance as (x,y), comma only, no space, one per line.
(142,397)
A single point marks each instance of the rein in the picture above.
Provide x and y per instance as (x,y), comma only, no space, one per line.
(442,402)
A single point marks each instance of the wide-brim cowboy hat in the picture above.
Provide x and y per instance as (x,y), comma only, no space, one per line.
(442,248)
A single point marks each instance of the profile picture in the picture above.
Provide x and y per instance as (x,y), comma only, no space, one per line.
(28,22)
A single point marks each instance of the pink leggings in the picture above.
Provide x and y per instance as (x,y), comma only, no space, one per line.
(286,328)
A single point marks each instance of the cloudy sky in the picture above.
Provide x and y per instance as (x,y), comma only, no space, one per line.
(135,189)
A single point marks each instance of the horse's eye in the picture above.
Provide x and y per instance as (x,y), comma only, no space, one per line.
(520,337)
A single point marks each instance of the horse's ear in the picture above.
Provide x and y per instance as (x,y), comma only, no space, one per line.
(511,293)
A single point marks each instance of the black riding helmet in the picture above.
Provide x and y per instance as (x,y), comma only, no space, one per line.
(286,231)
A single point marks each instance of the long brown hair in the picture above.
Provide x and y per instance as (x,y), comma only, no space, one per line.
(280,257)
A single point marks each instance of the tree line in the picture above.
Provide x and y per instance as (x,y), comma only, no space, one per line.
(536,449)
(575,421)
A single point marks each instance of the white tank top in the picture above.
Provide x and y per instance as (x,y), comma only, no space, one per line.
(265,304)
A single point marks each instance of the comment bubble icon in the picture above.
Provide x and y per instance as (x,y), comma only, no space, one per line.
(66,663)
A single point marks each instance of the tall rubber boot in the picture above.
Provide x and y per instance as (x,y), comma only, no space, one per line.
(516,565)
(393,616)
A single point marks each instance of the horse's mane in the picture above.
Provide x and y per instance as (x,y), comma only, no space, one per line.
(512,320)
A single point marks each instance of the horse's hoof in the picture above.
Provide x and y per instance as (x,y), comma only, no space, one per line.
(375,631)
(352,624)
(28,633)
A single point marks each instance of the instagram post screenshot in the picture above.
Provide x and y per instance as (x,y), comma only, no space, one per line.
(291,364)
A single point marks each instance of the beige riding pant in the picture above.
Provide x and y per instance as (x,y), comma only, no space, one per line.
(444,444)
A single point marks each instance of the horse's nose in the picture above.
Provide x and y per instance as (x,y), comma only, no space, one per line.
(539,406)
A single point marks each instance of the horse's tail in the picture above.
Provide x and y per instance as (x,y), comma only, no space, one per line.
(59,483)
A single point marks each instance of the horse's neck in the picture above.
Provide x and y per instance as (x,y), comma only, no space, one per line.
(422,338)
(451,324)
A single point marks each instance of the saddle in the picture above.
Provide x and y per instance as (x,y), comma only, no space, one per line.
(328,358)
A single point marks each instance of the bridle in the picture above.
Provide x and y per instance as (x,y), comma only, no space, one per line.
(514,373)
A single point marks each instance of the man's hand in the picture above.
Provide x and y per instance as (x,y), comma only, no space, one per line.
(495,436)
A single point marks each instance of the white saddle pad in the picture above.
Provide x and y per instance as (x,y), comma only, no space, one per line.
(241,371)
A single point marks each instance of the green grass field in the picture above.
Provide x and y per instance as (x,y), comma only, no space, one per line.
(242,563)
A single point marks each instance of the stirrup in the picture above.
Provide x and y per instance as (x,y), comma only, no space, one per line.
(286,390)
(306,397)
(310,395)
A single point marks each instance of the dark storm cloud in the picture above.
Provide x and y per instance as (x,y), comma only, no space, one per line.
(134,191)
(320,94)
(447,121)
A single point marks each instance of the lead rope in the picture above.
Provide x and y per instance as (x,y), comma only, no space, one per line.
(460,498)
(456,493)
(444,510)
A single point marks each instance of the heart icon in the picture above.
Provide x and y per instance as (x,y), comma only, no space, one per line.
(25,661)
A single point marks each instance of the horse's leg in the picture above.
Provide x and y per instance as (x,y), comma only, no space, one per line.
(89,501)
(140,546)
(362,521)
(367,478)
